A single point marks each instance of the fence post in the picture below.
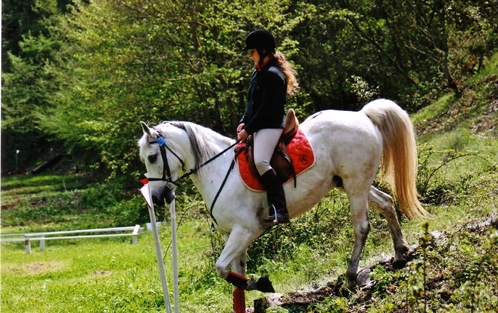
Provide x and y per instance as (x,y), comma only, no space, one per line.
(42,243)
(27,244)
(134,237)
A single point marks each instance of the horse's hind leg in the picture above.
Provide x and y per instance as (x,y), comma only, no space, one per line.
(384,204)
(361,227)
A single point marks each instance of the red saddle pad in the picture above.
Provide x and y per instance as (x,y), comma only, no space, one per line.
(300,152)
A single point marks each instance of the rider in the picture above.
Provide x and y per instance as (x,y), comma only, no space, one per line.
(272,78)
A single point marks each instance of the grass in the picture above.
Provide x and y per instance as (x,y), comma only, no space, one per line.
(109,275)
(15,187)
(50,203)
(75,278)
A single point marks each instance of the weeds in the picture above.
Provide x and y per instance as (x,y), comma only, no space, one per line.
(458,275)
(443,175)
(418,272)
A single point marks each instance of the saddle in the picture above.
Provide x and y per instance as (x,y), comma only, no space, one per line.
(282,160)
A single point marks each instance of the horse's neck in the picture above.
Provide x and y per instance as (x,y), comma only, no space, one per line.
(209,178)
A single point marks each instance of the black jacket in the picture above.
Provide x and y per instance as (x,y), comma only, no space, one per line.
(266,99)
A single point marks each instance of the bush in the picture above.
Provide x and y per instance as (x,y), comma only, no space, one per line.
(129,212)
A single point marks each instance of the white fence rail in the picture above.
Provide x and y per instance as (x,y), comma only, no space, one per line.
(73,234)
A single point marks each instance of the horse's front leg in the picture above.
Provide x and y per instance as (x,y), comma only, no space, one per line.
(239,264)
(361,227)
(234,252)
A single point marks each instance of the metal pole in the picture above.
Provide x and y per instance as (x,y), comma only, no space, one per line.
(17,153)
(175,258)
(152,215)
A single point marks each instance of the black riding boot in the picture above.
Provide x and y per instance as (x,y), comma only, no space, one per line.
(276,198)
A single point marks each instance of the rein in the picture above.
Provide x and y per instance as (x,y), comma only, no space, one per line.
(167,172)
(166,169)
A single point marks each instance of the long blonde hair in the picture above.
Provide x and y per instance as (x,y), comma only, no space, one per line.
(289,72)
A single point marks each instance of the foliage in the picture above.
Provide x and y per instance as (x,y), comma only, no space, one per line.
(408,51)
(80,75)
(147,71)
(28,83)
(66,202)
(329,219)
(438,282)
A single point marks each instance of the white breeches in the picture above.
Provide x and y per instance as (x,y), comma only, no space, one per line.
(265,141)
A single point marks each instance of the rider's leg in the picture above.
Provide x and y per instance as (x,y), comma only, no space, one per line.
(265,141)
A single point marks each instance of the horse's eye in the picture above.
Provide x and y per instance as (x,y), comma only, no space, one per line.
(152,158)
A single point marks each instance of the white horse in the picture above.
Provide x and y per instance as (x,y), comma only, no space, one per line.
(348,146)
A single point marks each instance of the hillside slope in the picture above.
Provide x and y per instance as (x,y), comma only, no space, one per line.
(453,265)
(476,110)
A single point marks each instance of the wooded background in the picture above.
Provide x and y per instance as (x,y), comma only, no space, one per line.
(78,76)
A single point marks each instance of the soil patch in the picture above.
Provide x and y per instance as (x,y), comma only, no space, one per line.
(42,267)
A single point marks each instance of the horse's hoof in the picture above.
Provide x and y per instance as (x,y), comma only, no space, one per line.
(363,277)
(263,284)
(399,264)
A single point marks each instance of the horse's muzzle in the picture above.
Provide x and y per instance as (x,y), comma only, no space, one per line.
(167,194)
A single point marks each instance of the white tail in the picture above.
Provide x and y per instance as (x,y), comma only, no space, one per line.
(399,155)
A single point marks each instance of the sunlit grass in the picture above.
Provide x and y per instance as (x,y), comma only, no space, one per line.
(109,275)
(430,112)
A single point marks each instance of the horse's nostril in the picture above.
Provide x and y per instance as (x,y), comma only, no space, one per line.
(156,200)
(170,196)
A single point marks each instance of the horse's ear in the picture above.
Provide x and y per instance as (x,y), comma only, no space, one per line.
(145,128)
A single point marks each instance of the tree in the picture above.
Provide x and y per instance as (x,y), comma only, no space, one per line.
(86,75)
(151,60)
(409,51)
(26,83)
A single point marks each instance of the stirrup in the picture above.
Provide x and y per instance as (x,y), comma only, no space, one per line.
(275,214)
(275,217)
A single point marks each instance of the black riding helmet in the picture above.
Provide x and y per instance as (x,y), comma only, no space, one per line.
(261,40)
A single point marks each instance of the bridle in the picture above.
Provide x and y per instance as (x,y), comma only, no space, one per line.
(166,168)
(170,183)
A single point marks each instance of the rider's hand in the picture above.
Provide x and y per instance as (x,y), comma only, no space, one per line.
(242,135)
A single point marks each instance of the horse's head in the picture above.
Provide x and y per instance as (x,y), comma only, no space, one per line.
(163,165)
